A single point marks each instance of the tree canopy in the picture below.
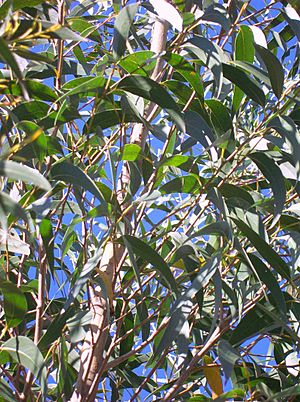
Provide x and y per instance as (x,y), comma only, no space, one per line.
(149,204)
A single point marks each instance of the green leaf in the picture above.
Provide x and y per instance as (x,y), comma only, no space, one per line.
(182,307)
(72,174)
(35,89)
(83,85)
(151,90)
(219,115)
(10,206)
(274,67)
(15,304)
(18,171)
(131,152)
(6,392)
(183,67)
(150,255)
(26,353)
(264,249)
(209,54)
(8,58)
(245,83)
(185,184)
(244,44)
(266,276)
(288,392)
(285,126)
(228,356)
(197,128)
(273,174)
(244,50)
(122,27)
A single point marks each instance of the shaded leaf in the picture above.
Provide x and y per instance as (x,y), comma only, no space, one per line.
(151,90)
(273,174)
(182,307)
(245,83)
(264,249)
(121,30)
(15,304)
(26,353)
(148,254)
(274,67)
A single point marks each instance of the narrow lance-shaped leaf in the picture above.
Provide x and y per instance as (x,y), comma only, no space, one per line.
(245,83)
(264,249)
(18,171)
(244,51)
(274,68)
(182,307)
(8,58)
(266,276)
(15,304)
(122,27)
(228,356)
(213,376)
(209,54)
(72,174)
(149,89)
(26,353)
(273,174)
(148,254)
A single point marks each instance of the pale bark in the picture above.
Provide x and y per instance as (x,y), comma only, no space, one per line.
(93,349)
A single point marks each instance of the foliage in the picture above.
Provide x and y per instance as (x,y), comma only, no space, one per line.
(204,303)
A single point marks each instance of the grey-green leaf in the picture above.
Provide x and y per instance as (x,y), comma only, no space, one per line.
(18,171)
(122,27)
(274,175)
(182,307)
(149,89)
(26,353)
(274,67)
(148,254)
(264,249)
(72,174)
(228,356)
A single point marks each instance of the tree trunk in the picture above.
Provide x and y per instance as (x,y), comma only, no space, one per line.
(93,348)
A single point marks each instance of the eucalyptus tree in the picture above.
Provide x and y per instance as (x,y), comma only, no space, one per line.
(149,203)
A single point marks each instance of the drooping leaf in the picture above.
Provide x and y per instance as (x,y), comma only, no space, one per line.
(285,126)
(273,174)
(150,255)
(244,82)
(198,128)
(15,304)
(8,58)
(228,356)
(74,175)
(26,353)
(209,54)
(266,276)
(151,90)
(244,51)
(274,68)
(264,249)
(213,376)
(183,67)
(182,307)
(18,171)
(121,29)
